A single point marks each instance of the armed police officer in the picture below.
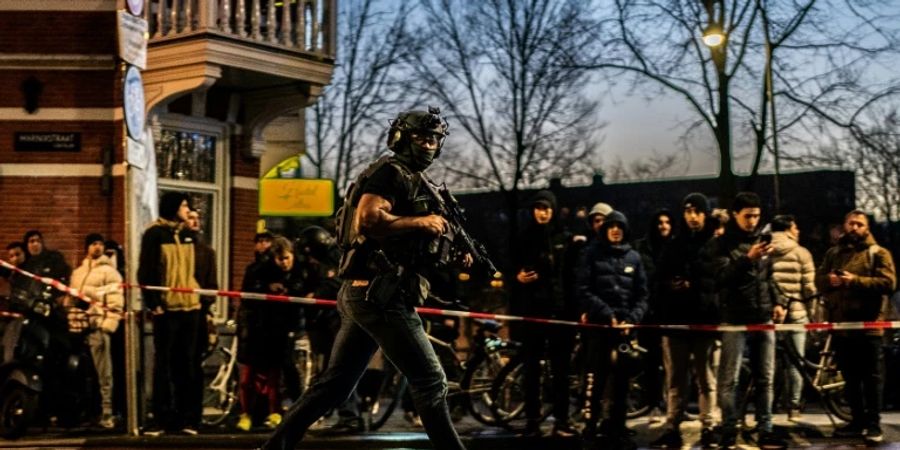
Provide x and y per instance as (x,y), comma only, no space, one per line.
(389,239)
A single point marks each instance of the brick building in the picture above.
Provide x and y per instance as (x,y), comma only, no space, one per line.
(225,85)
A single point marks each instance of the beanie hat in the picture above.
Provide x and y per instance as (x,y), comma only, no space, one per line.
(746,200)
(30,233)
(544,197)
(616,217)
(170,202)
(696,200)
(91,238)
(600,208)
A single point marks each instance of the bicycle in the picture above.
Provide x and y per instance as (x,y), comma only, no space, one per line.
(221,377)
(823,375)
(469,382)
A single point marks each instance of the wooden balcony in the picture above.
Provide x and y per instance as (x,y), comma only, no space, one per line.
(248,44)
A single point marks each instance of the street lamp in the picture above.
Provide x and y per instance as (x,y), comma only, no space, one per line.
(714,37)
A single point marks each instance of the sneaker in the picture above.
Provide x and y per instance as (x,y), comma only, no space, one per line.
(245,423)
(107,422)
(794,414)
(851,430)
(189,430)
(708,438)
(728,440)
(657,416)
(273,420)
(154,432)
(564,430)
(874,434)
(670,439)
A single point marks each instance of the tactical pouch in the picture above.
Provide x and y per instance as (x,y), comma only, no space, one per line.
(384,289)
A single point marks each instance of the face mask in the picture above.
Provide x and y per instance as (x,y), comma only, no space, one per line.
(417,158)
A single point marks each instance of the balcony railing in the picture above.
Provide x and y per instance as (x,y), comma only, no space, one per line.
(305,25)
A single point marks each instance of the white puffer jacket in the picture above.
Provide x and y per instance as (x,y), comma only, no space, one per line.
(101,282)
(794,272)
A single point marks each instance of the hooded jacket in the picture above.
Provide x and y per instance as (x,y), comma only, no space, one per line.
(687,296)
(744,289)
(610,279)
(541,248)
(651,248)
(100,281)
(794,272)
(167,259)
(866,297)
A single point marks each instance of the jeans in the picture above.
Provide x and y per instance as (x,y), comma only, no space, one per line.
(793,377)
(681,353)
(761,345)
(397,329)
(860,358)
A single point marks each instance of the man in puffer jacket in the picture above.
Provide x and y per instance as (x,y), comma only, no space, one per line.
(612,288)
(794,274)
(99,280)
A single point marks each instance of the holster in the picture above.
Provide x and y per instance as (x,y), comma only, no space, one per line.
(387,289)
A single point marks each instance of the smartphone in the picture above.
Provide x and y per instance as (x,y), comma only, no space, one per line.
(839,272)
(765,238)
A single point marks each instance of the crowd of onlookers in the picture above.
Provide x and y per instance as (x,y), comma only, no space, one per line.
(694,266)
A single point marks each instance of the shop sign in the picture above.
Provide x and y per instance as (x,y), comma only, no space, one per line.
(132,39)
(296,197)
(47,142)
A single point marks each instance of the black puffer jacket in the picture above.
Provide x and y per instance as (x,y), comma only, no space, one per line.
(611,281)
(744,287)
(682,297)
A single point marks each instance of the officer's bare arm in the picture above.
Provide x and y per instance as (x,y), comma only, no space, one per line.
(376,221)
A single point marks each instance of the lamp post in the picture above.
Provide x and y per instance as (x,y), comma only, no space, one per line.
(714,37)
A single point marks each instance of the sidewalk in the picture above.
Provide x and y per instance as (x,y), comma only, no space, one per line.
(811,432)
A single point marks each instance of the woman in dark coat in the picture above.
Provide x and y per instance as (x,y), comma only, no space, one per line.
(263,327)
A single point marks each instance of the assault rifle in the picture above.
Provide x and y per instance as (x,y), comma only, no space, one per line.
(449,209)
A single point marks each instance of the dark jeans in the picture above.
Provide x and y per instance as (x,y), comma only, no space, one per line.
(604,362)
(177,403)
(398,330)
(560,340)
(860,358)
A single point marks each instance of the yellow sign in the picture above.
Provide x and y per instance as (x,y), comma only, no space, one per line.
(296,197)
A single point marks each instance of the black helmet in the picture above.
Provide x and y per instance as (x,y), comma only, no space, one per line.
(410,122)
(316,241)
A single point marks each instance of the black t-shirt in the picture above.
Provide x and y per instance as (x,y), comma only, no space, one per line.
(387,182)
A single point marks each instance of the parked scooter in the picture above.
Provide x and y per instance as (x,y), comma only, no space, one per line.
(46,374)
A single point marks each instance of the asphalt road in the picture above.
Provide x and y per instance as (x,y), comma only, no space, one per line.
(811,431)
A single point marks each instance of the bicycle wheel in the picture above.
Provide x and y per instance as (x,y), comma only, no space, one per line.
(220,385)
(637,402)
(381,391)
(508,394)
(832,390)
(476,385)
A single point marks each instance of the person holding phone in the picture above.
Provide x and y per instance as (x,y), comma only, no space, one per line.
(856,277)
(539,292)
(739,272)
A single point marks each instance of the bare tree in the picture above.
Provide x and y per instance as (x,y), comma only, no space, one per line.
(653,167)
(345,127)
(768,50)
(495,66)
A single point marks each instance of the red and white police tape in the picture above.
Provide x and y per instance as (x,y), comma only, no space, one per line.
(479,315)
